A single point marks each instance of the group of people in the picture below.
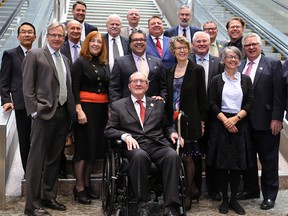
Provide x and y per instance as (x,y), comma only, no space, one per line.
(130,84)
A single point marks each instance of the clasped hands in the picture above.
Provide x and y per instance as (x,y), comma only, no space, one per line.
(230,124)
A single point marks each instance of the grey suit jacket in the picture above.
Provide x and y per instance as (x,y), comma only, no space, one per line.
(125,66)
(41,85)
(268,93)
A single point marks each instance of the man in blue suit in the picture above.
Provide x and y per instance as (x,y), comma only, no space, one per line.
(157,43)
(265,119)
(184,28)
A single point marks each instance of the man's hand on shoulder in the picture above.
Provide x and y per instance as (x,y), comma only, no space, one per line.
(131,143)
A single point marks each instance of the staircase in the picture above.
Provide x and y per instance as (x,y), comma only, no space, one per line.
(99,10)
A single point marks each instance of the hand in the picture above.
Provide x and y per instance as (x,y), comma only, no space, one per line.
(233,129)
(81,117)
(131,143)
(7,107)
(275,126)
(158,98)
(174,137)
(230,122)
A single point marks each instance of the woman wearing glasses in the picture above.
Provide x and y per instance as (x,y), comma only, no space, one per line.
(186,92)
(230,97)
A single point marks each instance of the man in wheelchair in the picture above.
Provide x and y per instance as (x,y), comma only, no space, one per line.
(141,123)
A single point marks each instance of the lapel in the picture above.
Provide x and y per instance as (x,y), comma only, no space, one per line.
(20,53)
(131,63)
(151,66)
(152,45)
(124,45)
(149,107)
(50,61)
(259,70)
(211,67)
(175,31)
(165,46)
(131,109)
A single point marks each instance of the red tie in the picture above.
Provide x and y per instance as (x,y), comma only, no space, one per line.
(142,110)
(184,32)
(158,46)
(248,71)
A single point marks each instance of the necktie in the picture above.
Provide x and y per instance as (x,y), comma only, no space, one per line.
(248,71)
(115,49)
(25,53)
(142,110)
(184,32)
(62,80)
(143,66)
(75,54)
(158,46)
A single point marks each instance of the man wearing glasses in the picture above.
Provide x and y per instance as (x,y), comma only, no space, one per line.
(148,65)
(235,29)
(49,102)
(11,85)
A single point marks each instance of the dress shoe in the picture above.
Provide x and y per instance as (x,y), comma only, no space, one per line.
(143,212)
(245,195)
(36,212)
(215,196)
(81,197)
(53,204)
(224,207)
(235,206)
(267,204)
(90,193)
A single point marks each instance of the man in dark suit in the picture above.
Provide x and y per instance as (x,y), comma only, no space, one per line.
(79,10)
(11,85)
(235,29)
(266,121)
(128,64)
(50,103)
(140,122)
(113,36)
(212,66)
(184,28)
(157,43)
(216,46)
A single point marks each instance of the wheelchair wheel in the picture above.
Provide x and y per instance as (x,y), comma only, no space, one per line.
(108,183)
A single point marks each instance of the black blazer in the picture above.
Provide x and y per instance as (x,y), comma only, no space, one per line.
(11,77)
(268,93)
(89,28)
(124,66)
(173,31)
(193,99)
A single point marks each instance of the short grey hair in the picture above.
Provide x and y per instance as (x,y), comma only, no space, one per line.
(196,34)
(113,16)
(56,25)
(252,34)
(229,49)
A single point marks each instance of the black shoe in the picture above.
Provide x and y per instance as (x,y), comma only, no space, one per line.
(171,211)
(143,212)
(90,193)
(224,207)
(81,197)
(234,205)
(245,195)
(267,204)
(36,212)
(62,174)
(53,204)
(215,196)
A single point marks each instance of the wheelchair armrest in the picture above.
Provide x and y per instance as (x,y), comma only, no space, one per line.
(118,142)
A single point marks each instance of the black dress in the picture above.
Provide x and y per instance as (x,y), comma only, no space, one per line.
(90,143)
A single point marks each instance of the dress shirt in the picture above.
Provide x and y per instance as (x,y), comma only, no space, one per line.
(205,65)
(131,29)
(232,94)
(120,49)
(254,67)
(160,40)
(24,50)
(188,34)
(83,34)
(138,62)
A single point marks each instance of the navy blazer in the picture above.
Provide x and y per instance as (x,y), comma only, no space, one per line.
(89,28)
(168,59)
(173,31)
(268,93)
(124,66)
(11,77)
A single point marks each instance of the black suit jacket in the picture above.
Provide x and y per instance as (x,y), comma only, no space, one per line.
(89,28)
(65,50)
(193,99)
(268,93)
(125,66)
(124,119)
(124,42)
(11,77)
(173,31)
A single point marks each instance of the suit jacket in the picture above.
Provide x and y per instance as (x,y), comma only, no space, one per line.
(168,59)
(124,42)
(125,31)
(220,45)
(215,66)
(41,85)
(11,77)
(124,119)
(193,99)
(125,66)
(285,83)
(268,93)
(65,50)
(173,31)
(89,28)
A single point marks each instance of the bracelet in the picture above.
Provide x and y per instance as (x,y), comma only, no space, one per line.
(239,117)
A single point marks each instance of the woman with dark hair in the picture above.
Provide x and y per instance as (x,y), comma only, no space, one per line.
(90,80)
(230,100)
(186,92)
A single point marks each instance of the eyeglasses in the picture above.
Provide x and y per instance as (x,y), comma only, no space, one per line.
(210,29)
(56,35)
(249,45)
(138,40)
(180,48)
(26,32)
(232,57)
(135,81)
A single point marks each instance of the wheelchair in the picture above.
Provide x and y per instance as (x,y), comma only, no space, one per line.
(117,193)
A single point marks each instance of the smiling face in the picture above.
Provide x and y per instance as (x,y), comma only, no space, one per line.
(201,44)
(114,26)
(211,29)
(74,29)
(155,26)
(26,36)
(252,48)
(138,44)
(133,17)
(138,85)
(79,12)
(181,51)
(184,16)
(235,30)
(95,45)
(55,37)
(231,61)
